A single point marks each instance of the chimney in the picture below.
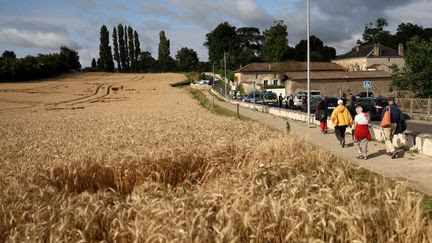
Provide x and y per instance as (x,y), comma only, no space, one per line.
(377,49)
(357,48)
(400,49)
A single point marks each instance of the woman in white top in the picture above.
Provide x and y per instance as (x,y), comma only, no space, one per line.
(361,133)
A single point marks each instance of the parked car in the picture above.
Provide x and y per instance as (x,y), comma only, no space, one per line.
(372,105)
(298,99)
(313,104)
(332,103)
(316,93)
(253,98)
(364,94)
(269,99)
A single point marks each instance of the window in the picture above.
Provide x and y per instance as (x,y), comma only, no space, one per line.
(265,82)
(275,82)
(274,75)
(256,75)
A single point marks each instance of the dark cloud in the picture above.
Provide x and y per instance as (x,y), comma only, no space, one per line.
(340,22)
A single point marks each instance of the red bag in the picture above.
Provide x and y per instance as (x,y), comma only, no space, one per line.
(386,121)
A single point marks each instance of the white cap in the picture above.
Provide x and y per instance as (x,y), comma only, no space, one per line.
(340,102)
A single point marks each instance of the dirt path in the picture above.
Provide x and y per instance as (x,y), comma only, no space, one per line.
(415,169)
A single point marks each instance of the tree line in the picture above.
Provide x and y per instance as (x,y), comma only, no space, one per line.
(375,32)
(38,67)
(128,56)
(416,75)
(247,44)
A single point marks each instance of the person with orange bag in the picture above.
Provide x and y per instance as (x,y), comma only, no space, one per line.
(392,122)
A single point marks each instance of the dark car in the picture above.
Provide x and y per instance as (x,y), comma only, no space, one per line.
(332,103)
(365,95)
(313,104)
(269,99)
(253,97)
(374,106)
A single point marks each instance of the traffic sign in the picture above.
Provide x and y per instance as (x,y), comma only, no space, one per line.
(367,84)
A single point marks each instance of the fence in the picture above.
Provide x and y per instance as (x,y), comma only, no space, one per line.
(422,106)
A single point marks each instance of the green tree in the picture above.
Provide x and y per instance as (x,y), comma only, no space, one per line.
(146,62)
(275,44)
(406,31)
(131,49)
(9,54)
(127,48)
(137,45)
(250,44)
(318,52)
(106,59)
(223,39)
(116,49)
(163,52)
(93,64)
(187,60)
(122,47)
(417,73)
(375,33)
(69,59)
(37,67)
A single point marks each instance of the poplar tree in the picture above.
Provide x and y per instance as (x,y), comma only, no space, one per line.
(131,49)
(122,47)
(137,46)
(116,49)
(93,64)
(105,55)
(127,67)
(163,51)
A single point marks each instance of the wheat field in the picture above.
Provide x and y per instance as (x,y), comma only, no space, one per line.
(127,158)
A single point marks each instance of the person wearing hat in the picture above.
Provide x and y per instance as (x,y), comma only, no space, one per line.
(341,119)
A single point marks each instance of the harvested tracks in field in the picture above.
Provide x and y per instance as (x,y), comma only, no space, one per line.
(101,92)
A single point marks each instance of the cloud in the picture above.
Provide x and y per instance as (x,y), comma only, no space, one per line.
(415,12)
(340,23)
(34,34)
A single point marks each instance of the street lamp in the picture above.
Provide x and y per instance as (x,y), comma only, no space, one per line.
(308,62)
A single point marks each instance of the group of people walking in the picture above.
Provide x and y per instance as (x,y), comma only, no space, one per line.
(392,122)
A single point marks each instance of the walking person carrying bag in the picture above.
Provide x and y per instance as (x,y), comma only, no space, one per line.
(392,122)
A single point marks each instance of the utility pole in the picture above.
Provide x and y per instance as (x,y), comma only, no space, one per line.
(308,62)
(225,75)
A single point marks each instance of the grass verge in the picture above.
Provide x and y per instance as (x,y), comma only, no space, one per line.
(218,110)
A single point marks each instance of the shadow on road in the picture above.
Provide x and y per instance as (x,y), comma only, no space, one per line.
(376,154)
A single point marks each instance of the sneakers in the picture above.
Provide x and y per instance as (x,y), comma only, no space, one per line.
(361,156)
(343,143)
(394,155)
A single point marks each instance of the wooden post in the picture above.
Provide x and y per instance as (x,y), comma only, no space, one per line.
(411,106)
(429,106)
(238,110)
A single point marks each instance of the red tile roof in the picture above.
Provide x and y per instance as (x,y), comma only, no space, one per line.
(282,67)
(320,75)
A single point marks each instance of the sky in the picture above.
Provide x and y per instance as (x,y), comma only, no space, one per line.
(30,27)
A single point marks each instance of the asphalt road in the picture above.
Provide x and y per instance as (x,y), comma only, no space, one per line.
(413,125)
